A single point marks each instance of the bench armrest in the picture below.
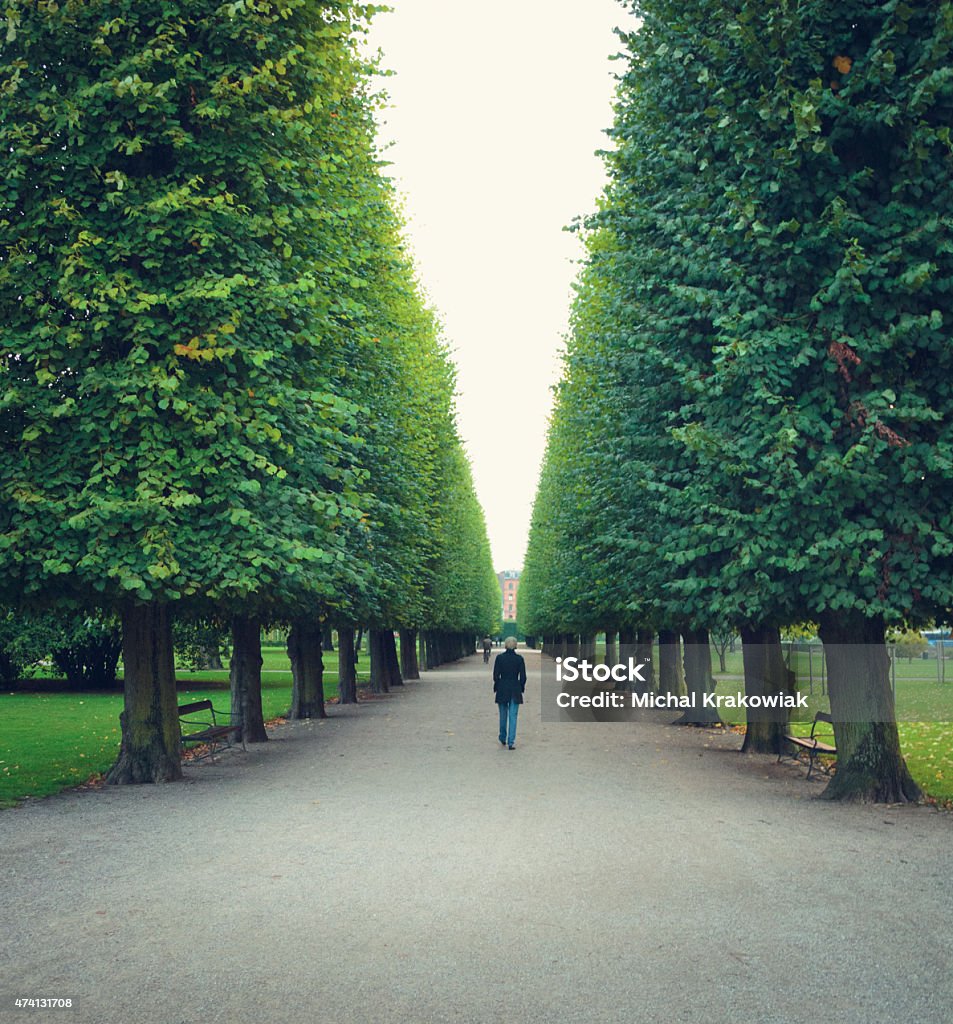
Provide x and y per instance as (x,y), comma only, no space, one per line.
(188,720)
(214,712)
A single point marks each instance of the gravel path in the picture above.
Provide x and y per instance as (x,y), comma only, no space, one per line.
(395,864)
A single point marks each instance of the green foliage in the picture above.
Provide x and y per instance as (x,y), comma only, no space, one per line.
(800,631)
(816,423)
(759,375)
(907,643)
(510,628)
(464,596)
(199,643)
(85,649)
(219,383)
(174,269)
(24,642)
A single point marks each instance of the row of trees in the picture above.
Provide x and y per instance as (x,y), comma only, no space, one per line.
(754,425)
(223,396)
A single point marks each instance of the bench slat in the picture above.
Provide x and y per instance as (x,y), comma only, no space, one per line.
(213,733)
(809,744)
(196,706)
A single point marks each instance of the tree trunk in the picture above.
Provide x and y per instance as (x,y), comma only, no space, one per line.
(612,650)
(9,670)
(435,655)
(210,659)
(626,645)
(327,637)
(347,669)
(699,680)
(151,747)
(644,655)
(408,654)
(671,677)
(380,677)
(870,766)
(394,677)
(422,652)
(244,675)
(307,670)
(587,647)
(765,674)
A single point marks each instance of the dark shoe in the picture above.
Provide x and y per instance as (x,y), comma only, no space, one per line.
(502,743)
(512,747)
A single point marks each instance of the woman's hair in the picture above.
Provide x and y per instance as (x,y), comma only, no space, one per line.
(511,643)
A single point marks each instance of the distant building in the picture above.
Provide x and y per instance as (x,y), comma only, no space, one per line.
(509,585)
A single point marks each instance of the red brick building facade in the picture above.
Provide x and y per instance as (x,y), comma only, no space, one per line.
(509,585)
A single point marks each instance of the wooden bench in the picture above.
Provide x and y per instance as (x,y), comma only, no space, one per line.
(811,745)
(212,734)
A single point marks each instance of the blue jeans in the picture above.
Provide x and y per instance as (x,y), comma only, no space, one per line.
(508,713)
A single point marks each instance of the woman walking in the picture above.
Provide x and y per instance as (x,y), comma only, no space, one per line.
(509,681)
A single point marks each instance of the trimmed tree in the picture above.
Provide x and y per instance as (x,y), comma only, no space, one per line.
(169,426)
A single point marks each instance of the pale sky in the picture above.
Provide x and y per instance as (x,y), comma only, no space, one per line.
(496,111)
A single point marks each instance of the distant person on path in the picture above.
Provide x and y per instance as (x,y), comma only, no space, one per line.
(487,647)
(509,682)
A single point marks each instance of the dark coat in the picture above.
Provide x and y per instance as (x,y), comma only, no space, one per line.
(509,677)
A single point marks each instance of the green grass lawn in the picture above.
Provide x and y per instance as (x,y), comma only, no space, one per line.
(50,740)
(928,748)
